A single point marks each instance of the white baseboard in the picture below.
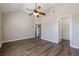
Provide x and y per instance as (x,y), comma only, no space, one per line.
(73,46)
(49,40)
(17,39)
(33,37)
(58,42)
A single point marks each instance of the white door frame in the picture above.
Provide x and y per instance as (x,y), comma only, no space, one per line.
(70,26)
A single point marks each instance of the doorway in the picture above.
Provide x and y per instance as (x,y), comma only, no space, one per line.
(64,28)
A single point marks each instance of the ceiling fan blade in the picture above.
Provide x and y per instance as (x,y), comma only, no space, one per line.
(30,14)
(39,12)
(42,13)
(29,9)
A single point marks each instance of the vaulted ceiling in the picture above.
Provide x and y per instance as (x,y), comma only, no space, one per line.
(9,7)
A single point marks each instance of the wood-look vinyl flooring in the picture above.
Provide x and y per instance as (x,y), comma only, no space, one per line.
(37,47)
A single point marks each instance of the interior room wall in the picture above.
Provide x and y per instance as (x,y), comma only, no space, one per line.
(0,30)
(75,31)
(49,23)
(49,27)
(17,25)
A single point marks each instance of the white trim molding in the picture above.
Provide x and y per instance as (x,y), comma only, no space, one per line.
(50,40)
(73,46)
(17,39)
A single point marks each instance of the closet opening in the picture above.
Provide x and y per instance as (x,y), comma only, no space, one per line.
(64,28)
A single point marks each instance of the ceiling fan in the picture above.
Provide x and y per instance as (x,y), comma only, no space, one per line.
(37,12)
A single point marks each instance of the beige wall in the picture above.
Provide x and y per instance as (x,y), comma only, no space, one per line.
(17,25)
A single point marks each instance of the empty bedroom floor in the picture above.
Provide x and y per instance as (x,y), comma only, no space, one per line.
(36,47)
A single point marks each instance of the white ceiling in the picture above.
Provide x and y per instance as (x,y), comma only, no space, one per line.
(9,7)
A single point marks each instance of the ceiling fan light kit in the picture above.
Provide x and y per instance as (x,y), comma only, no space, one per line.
(35,14)
(36,11)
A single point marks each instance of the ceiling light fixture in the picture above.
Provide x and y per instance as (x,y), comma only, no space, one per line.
(35,14)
